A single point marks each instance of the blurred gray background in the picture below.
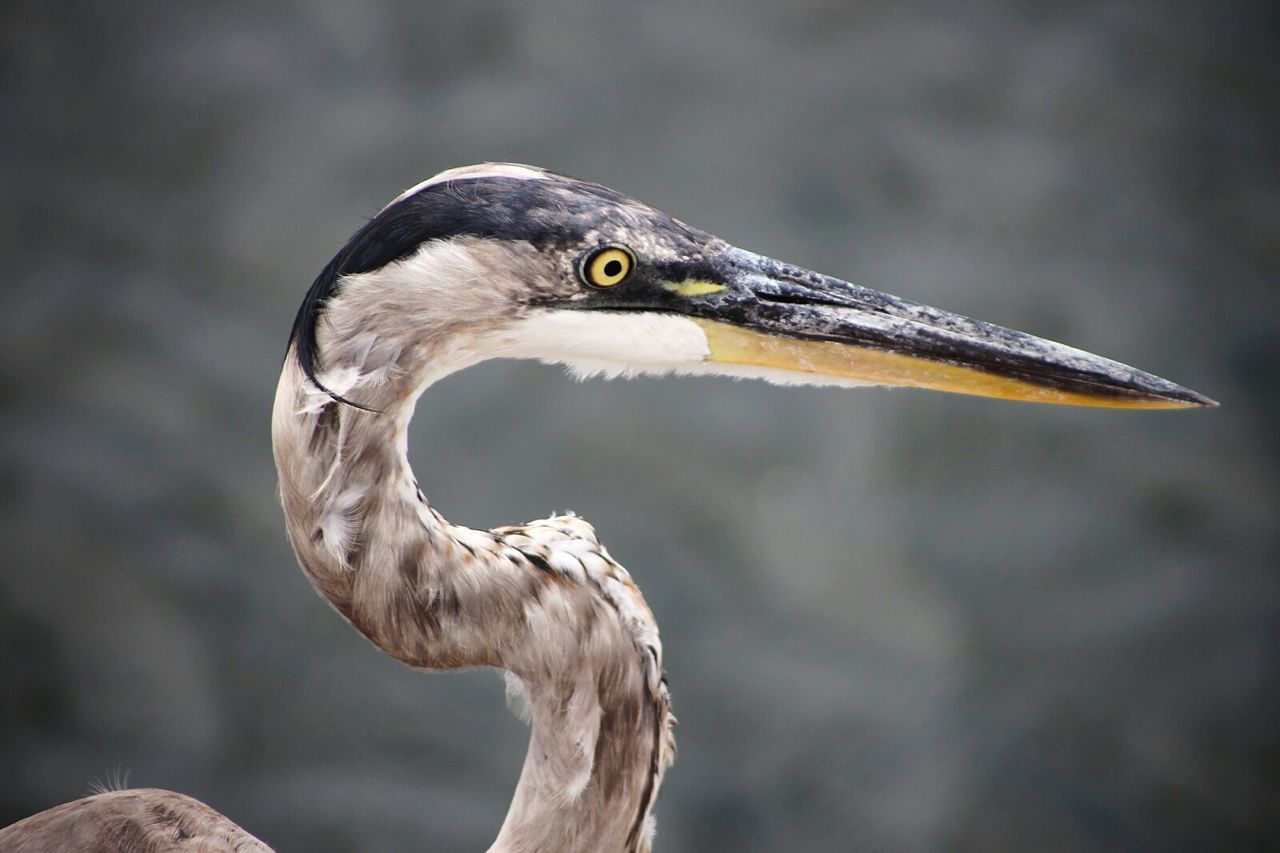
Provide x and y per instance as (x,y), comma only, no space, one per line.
(894,620)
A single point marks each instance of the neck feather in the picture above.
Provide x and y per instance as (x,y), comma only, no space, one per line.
(543,601)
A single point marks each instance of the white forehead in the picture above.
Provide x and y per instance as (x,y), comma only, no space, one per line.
(480,170)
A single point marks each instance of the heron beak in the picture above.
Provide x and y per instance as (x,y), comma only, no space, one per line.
(776,316)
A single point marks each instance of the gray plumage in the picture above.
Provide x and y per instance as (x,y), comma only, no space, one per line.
(143,820)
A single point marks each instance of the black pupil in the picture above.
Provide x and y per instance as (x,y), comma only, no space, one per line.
(612,268)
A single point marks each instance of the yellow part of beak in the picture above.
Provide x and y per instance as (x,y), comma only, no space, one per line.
(736,345)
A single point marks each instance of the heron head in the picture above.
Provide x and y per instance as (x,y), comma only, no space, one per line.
(514,261)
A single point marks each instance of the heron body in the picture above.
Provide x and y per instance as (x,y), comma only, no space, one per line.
(134,821)
(507,261)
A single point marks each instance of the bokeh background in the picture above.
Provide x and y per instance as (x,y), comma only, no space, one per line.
(894,620)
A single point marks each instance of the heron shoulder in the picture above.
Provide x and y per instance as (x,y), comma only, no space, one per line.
(133,819)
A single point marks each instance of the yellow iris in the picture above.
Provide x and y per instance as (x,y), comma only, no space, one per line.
(607,267)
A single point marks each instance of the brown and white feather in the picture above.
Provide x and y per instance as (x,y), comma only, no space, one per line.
(543,601)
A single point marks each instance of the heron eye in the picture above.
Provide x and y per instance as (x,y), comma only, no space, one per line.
(607,267)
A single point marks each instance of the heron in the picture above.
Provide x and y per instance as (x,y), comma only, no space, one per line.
(513,261)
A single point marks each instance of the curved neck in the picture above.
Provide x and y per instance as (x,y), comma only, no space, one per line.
(543,601)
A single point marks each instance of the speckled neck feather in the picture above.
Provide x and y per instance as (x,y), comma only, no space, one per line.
(543,601)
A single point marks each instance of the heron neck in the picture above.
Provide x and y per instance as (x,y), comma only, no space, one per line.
(542,601)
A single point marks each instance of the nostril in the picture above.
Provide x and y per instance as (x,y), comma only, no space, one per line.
(811,297)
